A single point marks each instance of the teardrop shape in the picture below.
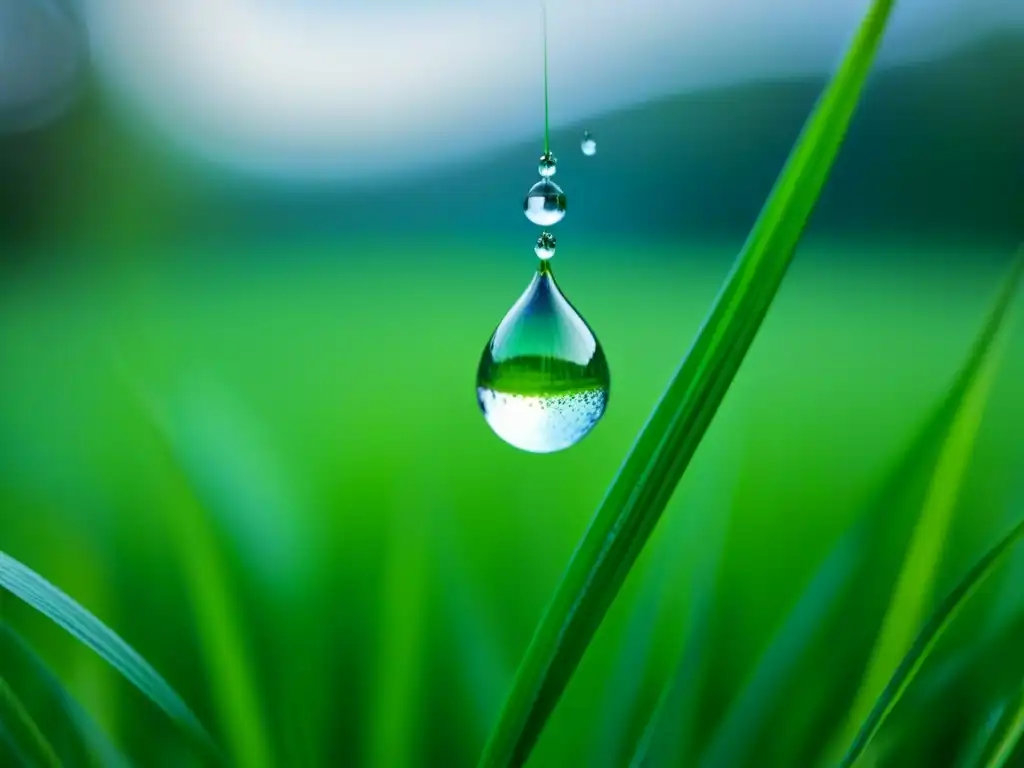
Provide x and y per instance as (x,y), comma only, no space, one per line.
(545,203)
(543,379)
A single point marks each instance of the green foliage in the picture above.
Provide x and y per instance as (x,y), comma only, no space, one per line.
(642,489)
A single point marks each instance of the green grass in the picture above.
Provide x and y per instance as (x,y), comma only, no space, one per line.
(272,480)
(641,490)
(304,480)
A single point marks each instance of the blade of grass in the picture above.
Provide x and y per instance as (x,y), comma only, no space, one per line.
(205,571)
(926,641)
(86,737)
(668,441)
(911,597)
(748,721)
(24,731)
(26,584)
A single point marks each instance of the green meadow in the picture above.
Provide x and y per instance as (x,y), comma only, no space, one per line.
(271,478)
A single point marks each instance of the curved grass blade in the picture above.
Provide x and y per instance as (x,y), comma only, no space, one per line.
(637,497)
(83,742)
(926,641)
(813,630)
(24,583)
(915,584)
(25,736)
(205,572)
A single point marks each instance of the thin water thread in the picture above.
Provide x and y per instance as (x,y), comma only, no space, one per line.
(544,9)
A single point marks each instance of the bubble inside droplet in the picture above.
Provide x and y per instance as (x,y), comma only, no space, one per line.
(545,247)
(588,145)
(545,203)
(543,379)
(547,165)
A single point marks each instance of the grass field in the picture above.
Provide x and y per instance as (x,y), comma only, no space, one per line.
(321,545)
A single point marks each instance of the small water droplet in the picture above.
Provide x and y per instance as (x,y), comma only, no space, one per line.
(547,165)
(545,203)
(545,247)
(543,379)
(588,145)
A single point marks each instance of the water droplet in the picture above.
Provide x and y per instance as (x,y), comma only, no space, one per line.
(548,165)
(545,247)
(588,145)
(543,379)
(545,203)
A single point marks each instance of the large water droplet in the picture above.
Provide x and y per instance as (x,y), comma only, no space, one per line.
(588,145)
(543,379)
(547,165)
(545,203)
(545,247)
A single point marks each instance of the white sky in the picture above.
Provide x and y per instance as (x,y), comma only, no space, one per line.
(347,89)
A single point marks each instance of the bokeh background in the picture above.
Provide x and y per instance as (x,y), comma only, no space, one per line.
(250,253)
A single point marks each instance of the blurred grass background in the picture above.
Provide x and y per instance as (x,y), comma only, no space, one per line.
(238,424)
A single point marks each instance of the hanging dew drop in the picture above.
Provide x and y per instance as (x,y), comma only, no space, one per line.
(547,165)
(543,379)
(545,203)
(588,145)
(545,247)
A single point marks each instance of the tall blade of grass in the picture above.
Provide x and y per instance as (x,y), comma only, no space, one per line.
(23,582)
(28,739)
(926,641)
(912,595)
(205,572)
(668,441)
(815,618)
(83,737)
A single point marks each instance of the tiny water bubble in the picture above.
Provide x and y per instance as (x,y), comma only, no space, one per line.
(545,247)
(545,203)
(588,145)
(547,165)
(543,380)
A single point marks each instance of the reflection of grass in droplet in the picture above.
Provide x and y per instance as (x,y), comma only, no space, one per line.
(535,375)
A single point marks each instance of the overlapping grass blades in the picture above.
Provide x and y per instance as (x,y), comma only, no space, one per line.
(961,414)
(75,737)
(23,733)
(926,641)
(23,582)
(205,573)
(634,503)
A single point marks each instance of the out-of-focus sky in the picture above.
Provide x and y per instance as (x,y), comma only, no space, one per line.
(352,89)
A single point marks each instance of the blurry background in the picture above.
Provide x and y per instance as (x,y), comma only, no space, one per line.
(250,253)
